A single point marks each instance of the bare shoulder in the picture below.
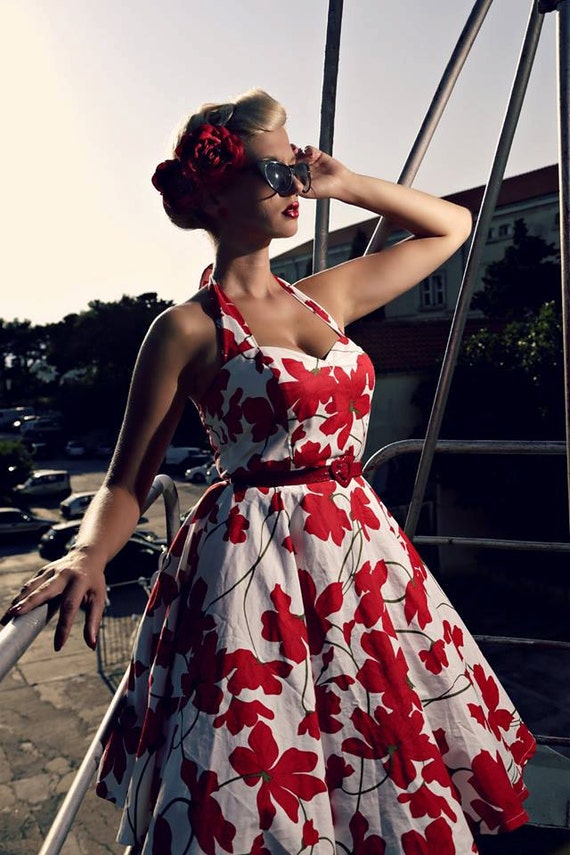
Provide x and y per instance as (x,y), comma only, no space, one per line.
(190,324)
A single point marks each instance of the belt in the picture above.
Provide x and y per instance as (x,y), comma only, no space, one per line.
(341,469)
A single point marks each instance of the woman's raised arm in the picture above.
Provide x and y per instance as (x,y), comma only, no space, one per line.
(438,228)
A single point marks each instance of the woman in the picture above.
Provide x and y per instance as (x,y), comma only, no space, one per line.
(300,682)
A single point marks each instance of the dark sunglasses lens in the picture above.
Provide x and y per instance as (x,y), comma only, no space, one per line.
(278,176)
(303,173)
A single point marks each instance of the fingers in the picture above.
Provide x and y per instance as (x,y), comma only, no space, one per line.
(44,586)
(67,611)
(94,608)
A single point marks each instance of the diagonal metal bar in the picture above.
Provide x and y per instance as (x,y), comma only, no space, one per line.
(435,111)
(563,28)
(516,98)
(328,108)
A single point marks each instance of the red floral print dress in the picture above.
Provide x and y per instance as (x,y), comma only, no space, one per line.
(300,683)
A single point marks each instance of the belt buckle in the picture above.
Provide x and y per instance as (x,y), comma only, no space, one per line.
(340,469)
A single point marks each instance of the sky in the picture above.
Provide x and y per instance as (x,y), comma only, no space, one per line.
(93,93)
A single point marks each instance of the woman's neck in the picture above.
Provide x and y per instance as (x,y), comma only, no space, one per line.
(240,272)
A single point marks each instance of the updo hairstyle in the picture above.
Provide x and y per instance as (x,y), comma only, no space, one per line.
(251,113)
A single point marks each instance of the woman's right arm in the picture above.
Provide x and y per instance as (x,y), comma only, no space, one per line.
(163,379)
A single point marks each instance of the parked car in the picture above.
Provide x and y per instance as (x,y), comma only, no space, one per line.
(17,424)
(74,448)
(75,505)
(42,426)
(57,540)
(46,482)
(138,557)
(17,523)
(184,456)
(8,415)
(207,473)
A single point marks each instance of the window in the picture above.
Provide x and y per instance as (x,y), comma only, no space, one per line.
(491,234)
(432,292)
(505,230)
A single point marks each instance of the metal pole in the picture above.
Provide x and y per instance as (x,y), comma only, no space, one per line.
(489,202)
(165,486)
(328,106)
(435,111)
(563,26)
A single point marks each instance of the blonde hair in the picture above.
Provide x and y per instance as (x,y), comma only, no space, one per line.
(251,113)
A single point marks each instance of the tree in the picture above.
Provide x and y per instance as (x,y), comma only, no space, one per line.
(528,275)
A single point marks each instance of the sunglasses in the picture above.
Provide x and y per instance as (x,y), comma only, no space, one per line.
(281,177)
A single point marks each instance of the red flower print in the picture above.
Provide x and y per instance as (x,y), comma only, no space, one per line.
(250,673)
(373,845)
(162,837)
(276,503)
(351,400)
(415,603)
(362,513)
(233,416)
(308,390)
(124,740)
(260,417)
(435,658)
(311,454)
(495,718)
(438,838)
(208,504)
(310,833)
(386,672)
(197,622)
(258,848)
(283,779)
(498,802)
(205,670)
(368,584)
(242,714)
(337,770)
(236,526)
(164,592)
(310,724)
(524,746)
(318,608)
(423,802)
(394,738)
(284,627)
(288,544)
(204,813)
(328,705)
(452,635)
(324,522)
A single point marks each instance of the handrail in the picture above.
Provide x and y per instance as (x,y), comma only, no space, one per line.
(20,632)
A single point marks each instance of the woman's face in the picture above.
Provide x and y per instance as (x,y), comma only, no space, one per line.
(249,210)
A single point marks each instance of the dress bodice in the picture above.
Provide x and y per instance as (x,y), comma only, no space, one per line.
(281,408)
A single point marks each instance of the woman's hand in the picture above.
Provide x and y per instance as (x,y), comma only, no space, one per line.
(327,174)
(77,579)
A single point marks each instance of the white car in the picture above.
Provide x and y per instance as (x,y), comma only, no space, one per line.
(207,473)
(74,448)
(75,505)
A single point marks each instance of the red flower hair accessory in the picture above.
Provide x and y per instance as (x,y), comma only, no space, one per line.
(205,158)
